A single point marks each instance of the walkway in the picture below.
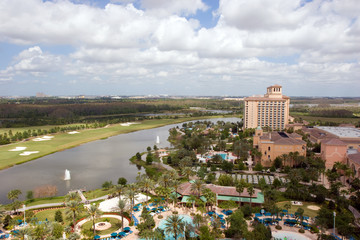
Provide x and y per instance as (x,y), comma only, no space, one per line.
(79,224)
(48,205)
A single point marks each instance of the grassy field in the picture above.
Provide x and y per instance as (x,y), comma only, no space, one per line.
(47,127)
(50,215)
(115,225)
(62,141)
(308,118)
(307,212)
(39,201)
(97,193)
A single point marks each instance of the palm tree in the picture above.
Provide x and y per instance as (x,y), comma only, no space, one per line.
(173,174)
(240,188)
(122,208)
(176,185)
(41,231)
(187,172)
(73,209)
(197,187)
(165,180)
(174,225)
(147,185)
(210,197)
(251,192)
(287,206)
(300,211)
(192,199)
(119,190)
(130,195)
(94,213)
(173,199)
(71,196)
(23,233)
(198,220)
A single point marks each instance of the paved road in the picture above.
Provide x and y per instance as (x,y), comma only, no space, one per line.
(47,205)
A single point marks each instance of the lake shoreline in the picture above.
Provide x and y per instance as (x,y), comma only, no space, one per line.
(103,133)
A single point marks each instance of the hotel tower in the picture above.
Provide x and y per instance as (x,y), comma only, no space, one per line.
(268,110)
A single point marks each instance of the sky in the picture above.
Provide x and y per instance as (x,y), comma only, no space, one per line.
(179,47)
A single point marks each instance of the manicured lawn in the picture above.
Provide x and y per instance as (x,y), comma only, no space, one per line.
(307,212)
(97,193)
(50,215)
(46,127)
(115,225)
(39,201)
(63,141)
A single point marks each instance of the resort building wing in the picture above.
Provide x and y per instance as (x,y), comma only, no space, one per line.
(274,144)
(223,193)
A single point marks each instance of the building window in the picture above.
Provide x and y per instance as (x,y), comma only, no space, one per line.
(269,148)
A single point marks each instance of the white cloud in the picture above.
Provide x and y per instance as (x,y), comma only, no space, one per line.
(120,42)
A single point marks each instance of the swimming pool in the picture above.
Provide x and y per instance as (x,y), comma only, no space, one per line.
(286,235)
(185,218)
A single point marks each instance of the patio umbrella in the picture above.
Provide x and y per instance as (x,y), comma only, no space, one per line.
(222,220)
(96,237)
(221,216)
(229,212)
(126,229)
(153,209)
(114,234)
(121,234)
(210,213)
(161,207)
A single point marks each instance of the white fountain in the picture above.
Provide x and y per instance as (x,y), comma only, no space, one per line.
(67,175)
(157,140)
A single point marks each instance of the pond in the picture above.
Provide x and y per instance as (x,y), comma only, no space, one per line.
(90,164)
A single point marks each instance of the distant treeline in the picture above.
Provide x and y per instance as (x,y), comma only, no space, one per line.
(35,112)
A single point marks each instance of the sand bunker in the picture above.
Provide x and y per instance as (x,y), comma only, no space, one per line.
(313,207)
(73,132)
(27,153)
(17,149)
(127,124)
(44,138)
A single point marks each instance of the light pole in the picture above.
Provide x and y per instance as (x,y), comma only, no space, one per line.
(334,222)
(24,213)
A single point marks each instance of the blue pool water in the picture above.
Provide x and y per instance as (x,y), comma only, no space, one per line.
(185,218)
(286,235)
(223,155)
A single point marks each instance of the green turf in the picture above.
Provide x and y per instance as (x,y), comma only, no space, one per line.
(115,225)
(97,193)
(307,212)
(62,141)
(46,127)
(39,201)
(50,215)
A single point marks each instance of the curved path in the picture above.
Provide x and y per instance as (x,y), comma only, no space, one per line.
(79,224)
(47,205)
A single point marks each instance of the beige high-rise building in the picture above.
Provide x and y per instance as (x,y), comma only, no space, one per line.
(268,110)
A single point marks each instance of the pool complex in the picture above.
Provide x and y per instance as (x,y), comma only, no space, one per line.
(286,235)
(185,218)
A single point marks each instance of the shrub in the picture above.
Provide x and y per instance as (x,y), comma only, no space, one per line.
(278,227)
(301,230)
(175,212)
(58,216)
(160,217)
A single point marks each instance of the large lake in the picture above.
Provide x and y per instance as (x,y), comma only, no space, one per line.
(90,164)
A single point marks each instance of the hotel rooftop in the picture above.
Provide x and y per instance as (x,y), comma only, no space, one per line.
(342,132)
